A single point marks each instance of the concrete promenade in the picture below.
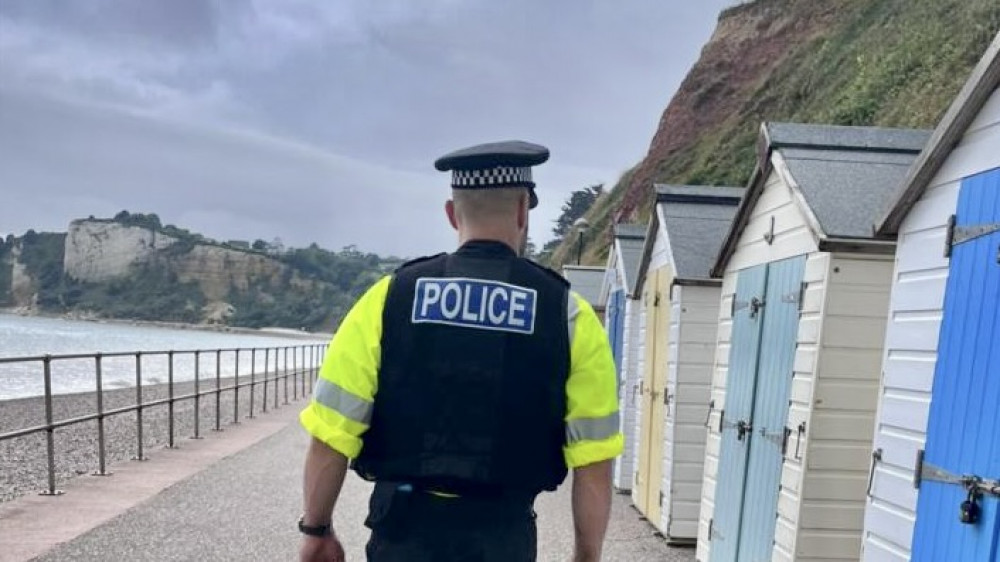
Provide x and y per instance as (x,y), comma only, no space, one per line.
(235,496)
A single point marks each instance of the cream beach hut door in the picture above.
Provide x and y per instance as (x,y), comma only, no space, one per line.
(652,387)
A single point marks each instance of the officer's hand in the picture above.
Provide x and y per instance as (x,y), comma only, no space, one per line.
(321,549)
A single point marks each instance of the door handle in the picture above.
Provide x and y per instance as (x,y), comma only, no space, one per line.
(743,428)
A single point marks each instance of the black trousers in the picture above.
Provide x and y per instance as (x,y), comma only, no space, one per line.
(415,526)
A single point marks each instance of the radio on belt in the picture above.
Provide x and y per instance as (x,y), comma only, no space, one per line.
(475,303)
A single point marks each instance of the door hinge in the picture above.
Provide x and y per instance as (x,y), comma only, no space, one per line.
(736,305)
(713,533)
(661,499)
(795,297)
(876,458)
(769,235)
(959,234)
(927,471)
(800,431)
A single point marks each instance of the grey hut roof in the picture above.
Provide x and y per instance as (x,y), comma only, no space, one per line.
(696,219)
(842,179)
(630,239)
(585,280)
(847,175)
(983,80)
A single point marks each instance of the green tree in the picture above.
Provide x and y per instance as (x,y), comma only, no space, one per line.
(576,206)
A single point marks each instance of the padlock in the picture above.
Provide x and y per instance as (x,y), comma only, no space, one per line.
(969,511)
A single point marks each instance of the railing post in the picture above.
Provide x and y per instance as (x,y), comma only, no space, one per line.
(49,438)
(170,400)
(218,390)
(285,375)
(102,468)
(236,389)
(277,371)
(138,407)
(267,361)
(312,365)
(197,395)
(253,383)
(302,366)
(295,374)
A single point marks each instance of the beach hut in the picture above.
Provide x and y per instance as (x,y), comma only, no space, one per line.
(805,292)
(939,402)
(622,324)
(586,281)
(680,303)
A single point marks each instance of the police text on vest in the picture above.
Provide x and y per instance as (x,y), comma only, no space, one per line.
(474,303)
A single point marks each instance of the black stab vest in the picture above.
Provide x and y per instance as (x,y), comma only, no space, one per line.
(465,409)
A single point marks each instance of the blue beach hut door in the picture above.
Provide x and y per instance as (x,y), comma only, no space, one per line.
(616,325)
(743,353)
(765,330)
(963,429)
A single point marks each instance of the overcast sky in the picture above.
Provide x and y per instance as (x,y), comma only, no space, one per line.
(320,120)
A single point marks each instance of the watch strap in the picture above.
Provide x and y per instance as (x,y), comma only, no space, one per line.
(314,530)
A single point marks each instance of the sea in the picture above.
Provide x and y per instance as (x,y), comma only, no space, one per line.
(30,336)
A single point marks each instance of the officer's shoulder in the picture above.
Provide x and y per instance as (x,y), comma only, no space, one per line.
(548,271)
(419,260)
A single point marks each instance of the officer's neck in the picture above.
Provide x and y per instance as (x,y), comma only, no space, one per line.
(510,237)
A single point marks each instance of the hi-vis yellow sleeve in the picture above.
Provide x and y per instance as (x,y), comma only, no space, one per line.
(340,409)
(592,421)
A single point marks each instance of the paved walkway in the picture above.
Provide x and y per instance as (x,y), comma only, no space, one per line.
(244,507)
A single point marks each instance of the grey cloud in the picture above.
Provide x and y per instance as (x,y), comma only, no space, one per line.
(388,86)
(176,23)
(230,185)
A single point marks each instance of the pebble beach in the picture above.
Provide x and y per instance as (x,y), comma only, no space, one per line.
(23,460)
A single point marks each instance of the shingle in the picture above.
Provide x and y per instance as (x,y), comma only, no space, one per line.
(630,231)
(832,137)
(586,281)
(696,219)
(696,233)
(697,193)
(848,191)
(630,239)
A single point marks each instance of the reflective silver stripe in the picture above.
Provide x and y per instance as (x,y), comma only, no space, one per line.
(343,402)
(573,309)
(592,429)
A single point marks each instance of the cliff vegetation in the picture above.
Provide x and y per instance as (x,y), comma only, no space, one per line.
(891,63)
(133,267)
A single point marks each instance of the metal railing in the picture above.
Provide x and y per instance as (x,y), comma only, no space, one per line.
(279,364)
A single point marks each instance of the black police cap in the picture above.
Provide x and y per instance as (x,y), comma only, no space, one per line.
(496,164)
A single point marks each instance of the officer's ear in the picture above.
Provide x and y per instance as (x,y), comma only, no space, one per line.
(449,209)
(523,208)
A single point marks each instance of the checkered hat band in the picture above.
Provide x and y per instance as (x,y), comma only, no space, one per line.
(502,175)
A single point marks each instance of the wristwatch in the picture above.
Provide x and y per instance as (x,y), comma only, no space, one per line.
(314,531)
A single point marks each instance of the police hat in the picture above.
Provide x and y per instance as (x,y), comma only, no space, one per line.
(497,164)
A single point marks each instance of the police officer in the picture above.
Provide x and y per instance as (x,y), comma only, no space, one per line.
(463,385)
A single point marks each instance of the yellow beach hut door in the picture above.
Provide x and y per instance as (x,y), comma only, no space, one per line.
(650,469)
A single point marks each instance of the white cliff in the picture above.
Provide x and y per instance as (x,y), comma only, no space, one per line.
(98,251)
